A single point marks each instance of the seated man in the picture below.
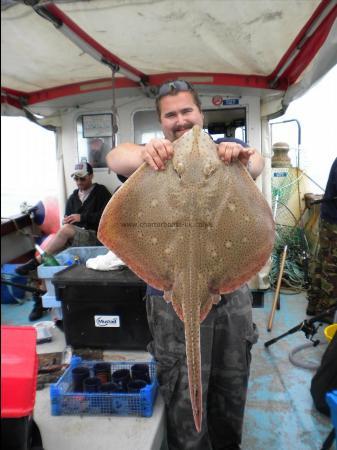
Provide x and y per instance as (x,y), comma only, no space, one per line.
(83,212)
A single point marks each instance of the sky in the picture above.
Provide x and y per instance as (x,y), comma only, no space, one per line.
(28,164)
(28,157)
(316,112)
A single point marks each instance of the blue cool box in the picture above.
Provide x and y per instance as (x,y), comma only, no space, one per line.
(66,402)
(11,294)
(331,398)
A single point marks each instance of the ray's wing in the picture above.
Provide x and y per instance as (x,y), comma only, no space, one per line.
(242,234)
(144,225)
(138,224)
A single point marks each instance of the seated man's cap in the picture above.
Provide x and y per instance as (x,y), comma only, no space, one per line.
(82,169)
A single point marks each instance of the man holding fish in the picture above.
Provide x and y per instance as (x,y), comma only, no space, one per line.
(227,332)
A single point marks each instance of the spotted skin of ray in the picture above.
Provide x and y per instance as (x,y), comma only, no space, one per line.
(195,230)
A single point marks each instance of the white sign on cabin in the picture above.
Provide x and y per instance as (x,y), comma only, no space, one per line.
(97,125)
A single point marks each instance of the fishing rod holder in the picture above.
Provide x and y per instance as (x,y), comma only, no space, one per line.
(307,326)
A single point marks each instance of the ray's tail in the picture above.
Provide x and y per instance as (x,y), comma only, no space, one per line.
(193,357)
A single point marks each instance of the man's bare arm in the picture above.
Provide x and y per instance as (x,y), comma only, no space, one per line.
(232,151)
(256,164)
(126,158)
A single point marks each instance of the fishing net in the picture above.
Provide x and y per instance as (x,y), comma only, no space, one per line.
(289,232)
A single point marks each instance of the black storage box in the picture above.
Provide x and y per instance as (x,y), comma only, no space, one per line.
(16,433)
(102,309)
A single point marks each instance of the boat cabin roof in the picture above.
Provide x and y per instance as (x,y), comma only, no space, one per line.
(63,53)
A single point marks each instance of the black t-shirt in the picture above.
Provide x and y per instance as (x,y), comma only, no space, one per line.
(228,139)
(121,178)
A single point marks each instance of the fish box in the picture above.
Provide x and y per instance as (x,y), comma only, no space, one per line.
(19,365)
(64,401)
(103,309)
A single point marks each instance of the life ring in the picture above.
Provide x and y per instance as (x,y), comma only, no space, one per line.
(47,215)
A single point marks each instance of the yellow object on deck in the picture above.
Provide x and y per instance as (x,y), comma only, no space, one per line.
(330,331)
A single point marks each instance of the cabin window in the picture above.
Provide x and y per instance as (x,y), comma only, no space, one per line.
(227,122)
(94,138)
(146,127)
(220,123)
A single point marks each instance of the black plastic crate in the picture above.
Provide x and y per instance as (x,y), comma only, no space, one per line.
(103,309)
(15,433)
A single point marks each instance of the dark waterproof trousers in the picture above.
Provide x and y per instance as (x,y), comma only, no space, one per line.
(323,290)
(227,335)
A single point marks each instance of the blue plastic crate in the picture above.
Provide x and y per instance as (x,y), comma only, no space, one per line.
(331,398)
(66,402)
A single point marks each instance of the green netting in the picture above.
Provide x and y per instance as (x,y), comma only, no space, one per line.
(289,232)
(284,183)
(296,265)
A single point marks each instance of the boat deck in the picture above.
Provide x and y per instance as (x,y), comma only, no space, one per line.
(279,415)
